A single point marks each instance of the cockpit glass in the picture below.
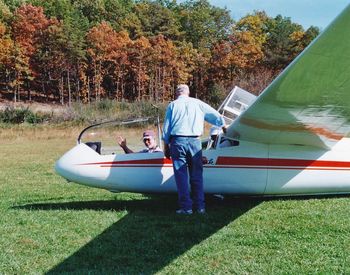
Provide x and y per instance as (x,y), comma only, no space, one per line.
(103,137)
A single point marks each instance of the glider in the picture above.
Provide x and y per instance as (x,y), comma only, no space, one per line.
(292,140)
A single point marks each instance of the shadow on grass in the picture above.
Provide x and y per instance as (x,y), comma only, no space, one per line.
(149,237)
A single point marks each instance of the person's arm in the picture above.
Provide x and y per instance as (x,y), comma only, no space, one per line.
(167,150)
(122,143)
(166,126)
(167,132)
(212,116)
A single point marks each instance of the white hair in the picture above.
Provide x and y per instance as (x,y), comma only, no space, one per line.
(182,89)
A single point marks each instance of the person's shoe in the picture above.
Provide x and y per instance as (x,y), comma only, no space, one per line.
(201,211)
(184,212)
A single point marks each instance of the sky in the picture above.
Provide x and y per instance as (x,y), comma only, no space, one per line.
(318,13)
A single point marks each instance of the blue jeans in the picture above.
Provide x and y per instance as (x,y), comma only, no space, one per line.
(186,153)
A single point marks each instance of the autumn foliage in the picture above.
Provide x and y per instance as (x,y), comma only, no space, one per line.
(64,51)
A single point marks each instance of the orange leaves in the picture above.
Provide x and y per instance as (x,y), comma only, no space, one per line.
(246,52)
(149,64)
(248,38)
(109,52)
(243,50)
(297,37)
(107,44)
(2,30)
(163,51)
(139,60)
(28,25)
(100,38)
(109,47)
(6,46)
(139,54)
(142,50)
(186,62)
(163,58)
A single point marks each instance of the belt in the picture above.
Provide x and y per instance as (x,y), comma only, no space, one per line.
(174,136)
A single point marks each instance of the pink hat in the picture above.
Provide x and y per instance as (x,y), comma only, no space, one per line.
(148,134)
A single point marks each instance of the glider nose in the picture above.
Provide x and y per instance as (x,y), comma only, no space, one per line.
(70,165)
(65,167)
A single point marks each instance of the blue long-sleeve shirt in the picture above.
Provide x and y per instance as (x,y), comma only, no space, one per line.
(185,116)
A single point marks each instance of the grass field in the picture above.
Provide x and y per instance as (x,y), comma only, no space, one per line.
(48,226)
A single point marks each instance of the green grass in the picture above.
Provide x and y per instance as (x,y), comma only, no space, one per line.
(50,226)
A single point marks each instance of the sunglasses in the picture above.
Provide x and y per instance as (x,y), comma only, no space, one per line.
(146,140)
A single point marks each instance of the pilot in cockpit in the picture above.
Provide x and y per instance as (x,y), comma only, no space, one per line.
(149,139)
(217,140)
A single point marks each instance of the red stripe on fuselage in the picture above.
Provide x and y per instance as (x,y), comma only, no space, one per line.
(132,162)
(238,162)
(302,163)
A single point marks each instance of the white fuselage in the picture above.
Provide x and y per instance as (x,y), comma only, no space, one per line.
(249,168)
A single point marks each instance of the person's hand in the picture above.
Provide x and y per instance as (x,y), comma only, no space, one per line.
(204,160)
(224,128)
(121,141)
(167,151)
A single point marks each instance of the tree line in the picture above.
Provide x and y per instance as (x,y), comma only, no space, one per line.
(132,50)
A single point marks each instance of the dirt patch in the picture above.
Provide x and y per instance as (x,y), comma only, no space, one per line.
(34,107)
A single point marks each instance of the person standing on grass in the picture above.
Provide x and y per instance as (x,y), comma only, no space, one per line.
(183,125)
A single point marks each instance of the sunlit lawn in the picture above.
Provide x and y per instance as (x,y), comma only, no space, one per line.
(50,226)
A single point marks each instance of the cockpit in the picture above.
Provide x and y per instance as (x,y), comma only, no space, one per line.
(102,137)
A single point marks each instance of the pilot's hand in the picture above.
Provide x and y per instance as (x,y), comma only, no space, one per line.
(167,151)
(224,128)
(121,141)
